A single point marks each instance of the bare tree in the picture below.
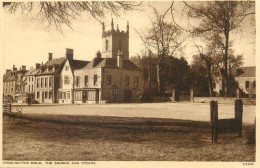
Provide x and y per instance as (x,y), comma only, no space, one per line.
(220,17)
(62,13)
(163,39)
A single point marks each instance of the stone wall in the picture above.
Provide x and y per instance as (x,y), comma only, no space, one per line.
(224,100)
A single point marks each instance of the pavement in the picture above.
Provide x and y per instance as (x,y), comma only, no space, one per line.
(180,110)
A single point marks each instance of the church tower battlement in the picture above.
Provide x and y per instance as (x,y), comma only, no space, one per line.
(114,41)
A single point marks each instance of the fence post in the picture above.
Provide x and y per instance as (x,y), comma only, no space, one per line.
(214,120)
(239,115)
(191,95)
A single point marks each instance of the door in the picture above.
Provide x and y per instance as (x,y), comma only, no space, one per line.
(43,96)
(84,96)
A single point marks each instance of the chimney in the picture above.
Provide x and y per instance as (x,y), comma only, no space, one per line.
(69,54)
(14,69)
(23,68)
(98,55)
(37,66)
(8,70)
(50,56)
(120,59)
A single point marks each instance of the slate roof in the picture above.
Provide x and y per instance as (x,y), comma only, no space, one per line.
(245,72)
(33,72)
(110,63)
(78,64)
(6,75)
(57,62)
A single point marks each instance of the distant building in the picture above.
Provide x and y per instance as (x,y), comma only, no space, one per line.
(245,80)
(47,80)
(65,90)
(29,80)
(110,76)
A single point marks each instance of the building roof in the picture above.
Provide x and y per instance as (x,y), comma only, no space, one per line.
(245,72)
(110,63)
(78,64)
(6,75)
(10,78)
(56,62)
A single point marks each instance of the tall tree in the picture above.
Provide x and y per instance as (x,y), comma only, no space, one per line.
(62,13)
(220,17)
(162,38)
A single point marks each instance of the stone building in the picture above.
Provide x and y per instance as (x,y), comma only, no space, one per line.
(65,90)
(47,80)
(246,81)
(110,76)
(9,84)
(29,79)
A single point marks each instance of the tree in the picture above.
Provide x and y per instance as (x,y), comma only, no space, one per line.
(162,39)
(220,17)
(62,13)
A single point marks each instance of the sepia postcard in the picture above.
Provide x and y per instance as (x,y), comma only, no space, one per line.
(129,84)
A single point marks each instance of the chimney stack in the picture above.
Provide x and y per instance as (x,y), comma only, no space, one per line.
(37,66)
(120,59)
(98,55)
(50,56)
(14,69)
(23,68)
(69,54)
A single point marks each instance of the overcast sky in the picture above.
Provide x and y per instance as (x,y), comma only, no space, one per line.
(27,42)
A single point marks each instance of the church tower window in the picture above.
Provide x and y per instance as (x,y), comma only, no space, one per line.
(106,44)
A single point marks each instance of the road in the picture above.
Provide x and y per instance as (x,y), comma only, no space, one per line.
(185,111)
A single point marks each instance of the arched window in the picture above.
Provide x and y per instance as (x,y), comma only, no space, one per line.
(106,44)
(120,45)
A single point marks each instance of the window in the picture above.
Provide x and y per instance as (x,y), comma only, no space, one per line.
(29,78)
(32,78)
(38,95)
(67,68)
(86,80)
(50,95)
(42,82)
(68,95)
(64,95)
(46,95)
(50,81)
(46,82)
(254,84)
(127,80)
(95,79)
(108,79)
(77,81)
(114,93)
(32,87)
(136,81)
(29,88)
(106,44)
(38,82)
(66,79)
(120,45)
(247,84)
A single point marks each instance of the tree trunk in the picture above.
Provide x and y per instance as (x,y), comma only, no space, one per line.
(226,31)
(208,71)
(158,78)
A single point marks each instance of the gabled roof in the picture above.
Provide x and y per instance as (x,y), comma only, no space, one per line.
(110,63)
(10,78)
(78,64)
(56,62)
(6,75)
(245,72)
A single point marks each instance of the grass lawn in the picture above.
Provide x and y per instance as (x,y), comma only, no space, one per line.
(61,137)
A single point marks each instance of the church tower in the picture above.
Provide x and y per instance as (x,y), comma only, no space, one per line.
(114,41)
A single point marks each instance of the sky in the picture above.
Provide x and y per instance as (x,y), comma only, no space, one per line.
(26,42)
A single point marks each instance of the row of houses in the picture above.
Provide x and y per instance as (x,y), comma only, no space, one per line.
(109,77)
